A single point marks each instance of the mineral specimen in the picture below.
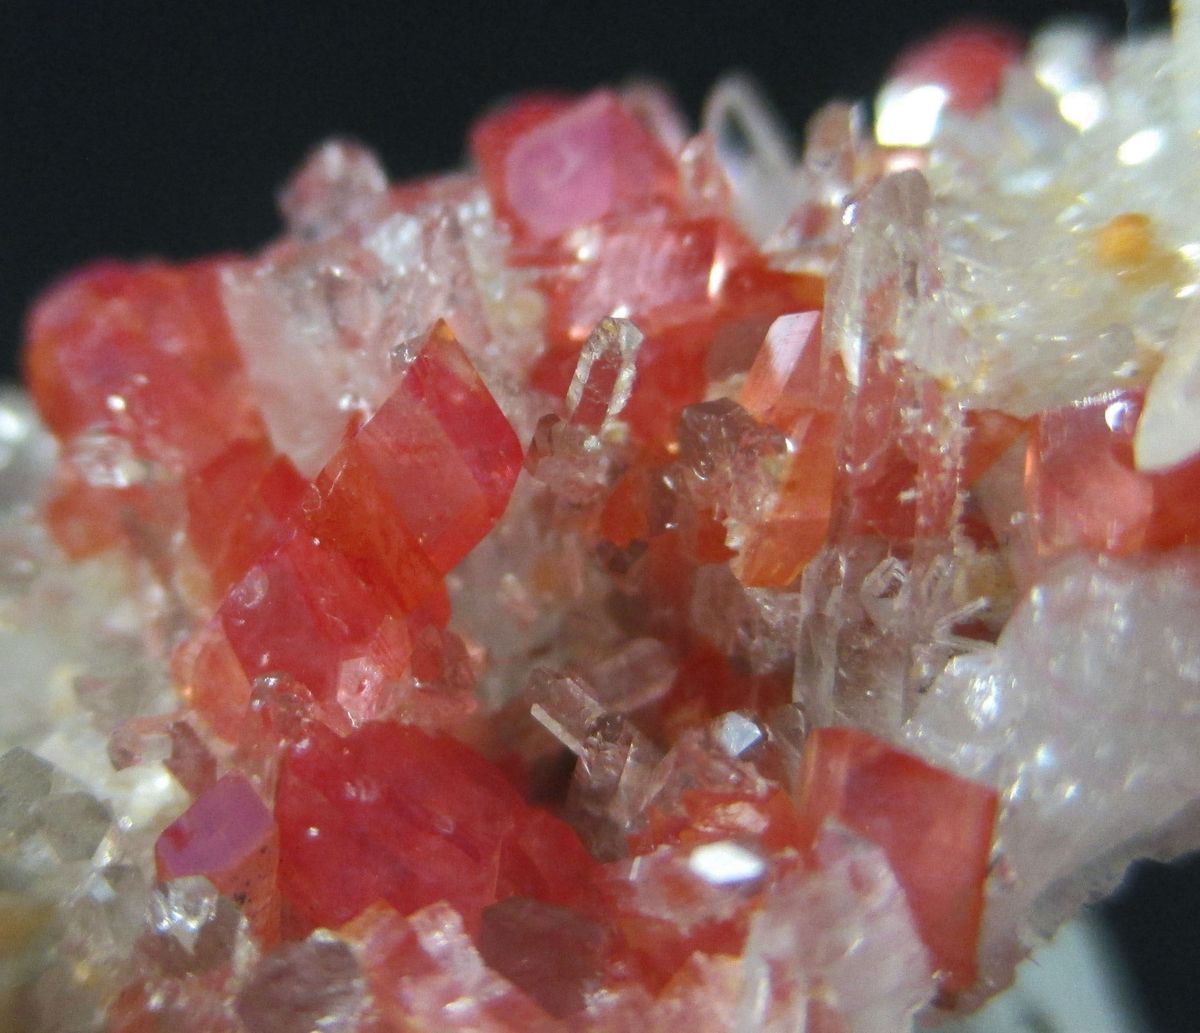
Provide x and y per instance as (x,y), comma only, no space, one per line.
(641,579)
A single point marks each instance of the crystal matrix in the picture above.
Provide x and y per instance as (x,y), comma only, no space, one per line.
(641,579)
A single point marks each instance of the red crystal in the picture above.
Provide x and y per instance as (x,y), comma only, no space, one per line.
(1084,491)
(392,813)
(302,611)
(967,61)
(144,351)
(239,507)
(439,427)
(359,552)
(935,828)
(797,389)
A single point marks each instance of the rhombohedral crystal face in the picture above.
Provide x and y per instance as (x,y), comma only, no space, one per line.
(644,580)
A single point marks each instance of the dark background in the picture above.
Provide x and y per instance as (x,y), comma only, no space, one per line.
(164,129)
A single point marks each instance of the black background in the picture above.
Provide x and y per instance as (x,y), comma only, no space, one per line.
(164,129)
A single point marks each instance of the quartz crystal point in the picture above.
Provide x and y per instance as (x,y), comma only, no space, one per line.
(878,611)
(641,581)
(603,379)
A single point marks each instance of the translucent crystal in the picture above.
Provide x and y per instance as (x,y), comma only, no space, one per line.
(838,940)
(324,327)
(632,677)
(314,984)
(341,182)
(25,781)
(553,954)
(887,254)
(604,377)
(613,780)
(738,733)
(74,824)
(694,890)
(195,929)
(332,706)
(754,151)
(425,968)
(1088,318)
(26,451)
(1168,433)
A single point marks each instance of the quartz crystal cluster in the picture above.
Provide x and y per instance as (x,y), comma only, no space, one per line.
(644,579)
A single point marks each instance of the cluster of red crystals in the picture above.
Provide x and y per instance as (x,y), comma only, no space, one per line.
(354,567)
(597,206)
(323,654)
(393,813)
(136,372)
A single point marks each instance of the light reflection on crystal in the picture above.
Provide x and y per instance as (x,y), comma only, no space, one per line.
(725,863)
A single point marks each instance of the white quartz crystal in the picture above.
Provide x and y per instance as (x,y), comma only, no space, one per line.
(1085,716)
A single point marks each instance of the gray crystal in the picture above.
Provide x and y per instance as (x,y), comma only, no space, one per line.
(26,451)
(314,986)
(25,780)
(74,823)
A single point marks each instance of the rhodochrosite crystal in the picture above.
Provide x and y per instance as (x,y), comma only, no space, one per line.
(642,581)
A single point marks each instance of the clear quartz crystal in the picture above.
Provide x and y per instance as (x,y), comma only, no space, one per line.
(888,250)
(754,151)
(840,938)
(603,379)
(195,929)
(614,779)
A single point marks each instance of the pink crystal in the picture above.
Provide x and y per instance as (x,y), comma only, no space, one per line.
(227,835)
(554,166)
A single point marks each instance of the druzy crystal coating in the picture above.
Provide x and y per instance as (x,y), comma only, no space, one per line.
(641,580)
